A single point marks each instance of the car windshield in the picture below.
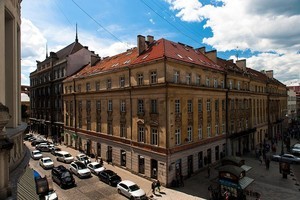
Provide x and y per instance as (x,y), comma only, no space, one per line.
(68,155)
(37,152)
(66,176)
(47,160)
(81,166)
(97,166)
(110,173)
(85,158)
(134,187)
(115,177)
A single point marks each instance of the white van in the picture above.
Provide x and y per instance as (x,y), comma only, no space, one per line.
(64,156)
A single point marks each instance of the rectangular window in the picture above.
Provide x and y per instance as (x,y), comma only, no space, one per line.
(207,82)
(215,83)
(110,105)
(223,104)
(190,133)
(208,130)
(222,84)
(153,77)
(177,137)
(79,87)
(123,106)
(154,136)
(122,81)
(140,106)
(200,106)
(223,128)
(108,83)
(190,106)
(198,80)
(177,106)
(238,85)
(188,78)
(200,134)
(71,113)
(217,129)
(140,78)
(123,131)
(230,84)
(109,128)
(176,77)
(153,106)
(217,105)
(88,87)
(141,134)
(97,86)
(208,106)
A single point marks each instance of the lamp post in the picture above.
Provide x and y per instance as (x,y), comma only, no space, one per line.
(282,151)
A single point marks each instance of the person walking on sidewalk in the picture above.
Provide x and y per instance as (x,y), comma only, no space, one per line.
(208,171)
(153,186)
(158,185)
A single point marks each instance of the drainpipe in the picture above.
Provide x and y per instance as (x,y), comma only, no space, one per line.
(131,123)
(226,116)
(75,111)
(167,123)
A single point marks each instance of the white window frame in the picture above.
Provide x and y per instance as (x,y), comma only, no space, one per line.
(177,136)
(177,106)
(123,106)
(154,136)
(198,80)
(109,105)
(153,77)
(188,78)
(190,133)
(141,132)
(190,106)
(208,130)
(176,76)
(200,132)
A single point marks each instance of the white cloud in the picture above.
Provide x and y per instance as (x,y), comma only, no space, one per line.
(260,26)
(151,21)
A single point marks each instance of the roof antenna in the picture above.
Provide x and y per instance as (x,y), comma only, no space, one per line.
(76,39)
(46,50)
(237,53)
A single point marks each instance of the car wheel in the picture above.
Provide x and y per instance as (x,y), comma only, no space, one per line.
(119,191)
(131,198)
(57,159)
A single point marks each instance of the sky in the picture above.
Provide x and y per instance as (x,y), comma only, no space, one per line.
(264,32)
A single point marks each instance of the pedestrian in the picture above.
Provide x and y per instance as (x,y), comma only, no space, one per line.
(96,158)
(158,185)
(208,171)
(260,159)
(101,162)
(153,185)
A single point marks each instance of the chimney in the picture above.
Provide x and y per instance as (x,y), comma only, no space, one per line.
(86,47)
(269,73)
(241,64)
(230,60)
(94,59)
(201,49)
(141,44)
(212,55)
(53,54)
(150,39)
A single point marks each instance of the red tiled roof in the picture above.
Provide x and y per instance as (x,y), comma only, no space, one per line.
(157,50)
(165,48)
(228,65)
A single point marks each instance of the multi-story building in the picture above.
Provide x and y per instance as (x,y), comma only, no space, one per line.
(11,128)
(292,105)
(46,87)
(297,90)
(155,109)
(165,110)
(25,103)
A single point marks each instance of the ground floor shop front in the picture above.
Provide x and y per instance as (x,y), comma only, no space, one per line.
(168,166)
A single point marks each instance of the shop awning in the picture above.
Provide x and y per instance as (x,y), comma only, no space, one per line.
(245,182)
(246,167)
(26,186)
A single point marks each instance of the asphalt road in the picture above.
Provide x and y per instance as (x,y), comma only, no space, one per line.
(89,188)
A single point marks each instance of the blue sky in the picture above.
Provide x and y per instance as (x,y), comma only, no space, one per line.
(266,33)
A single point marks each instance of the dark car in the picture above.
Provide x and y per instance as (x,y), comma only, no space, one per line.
(109,177)
(62,176)
(27,136)
(38,141)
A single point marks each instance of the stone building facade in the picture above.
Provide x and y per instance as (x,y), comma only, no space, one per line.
(11,127)
(165,110)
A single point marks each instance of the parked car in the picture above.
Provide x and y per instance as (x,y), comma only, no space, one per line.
(64,156)
(54,150)
(46,163)
(45,147)
(62,176)
(131,190)
(83,158)
(27,136)
(295,149)
(95,167)
(37,141)
(80,169)
(109,177)
(286,158)
(36,154)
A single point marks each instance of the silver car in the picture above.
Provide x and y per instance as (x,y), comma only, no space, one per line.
(295,149)
(286,158)
(80,170)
